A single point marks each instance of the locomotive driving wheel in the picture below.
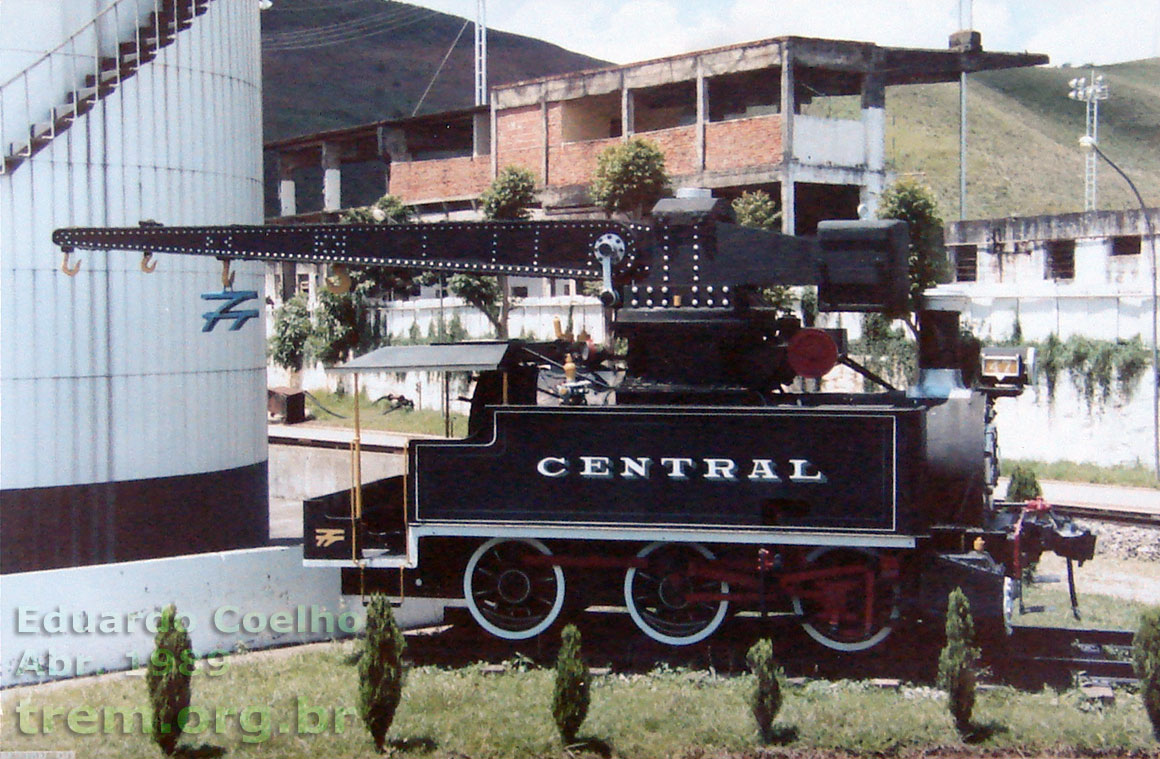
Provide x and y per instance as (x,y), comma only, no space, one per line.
(509,592)
(662,596)
(847,598)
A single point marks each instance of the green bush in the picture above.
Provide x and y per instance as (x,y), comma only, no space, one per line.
(630,177)
(765,700)
(168,679)
(1024,485)
(510,194)
(956,662)
(570,698)
(1146,659)
(380,670)
(335,332)
(292,330)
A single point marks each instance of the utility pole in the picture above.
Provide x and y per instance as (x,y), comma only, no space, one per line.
(965,23)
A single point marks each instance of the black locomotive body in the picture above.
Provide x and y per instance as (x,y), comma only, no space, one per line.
(699,473)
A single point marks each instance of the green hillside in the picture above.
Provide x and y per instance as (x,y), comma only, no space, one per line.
(1023,154)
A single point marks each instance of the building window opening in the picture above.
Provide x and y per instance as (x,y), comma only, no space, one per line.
(1061,259)
(966,262)
(591,118)
(745,95)
(664,107)
(1126,245)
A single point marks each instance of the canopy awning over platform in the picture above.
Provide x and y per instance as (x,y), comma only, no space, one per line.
(452,357)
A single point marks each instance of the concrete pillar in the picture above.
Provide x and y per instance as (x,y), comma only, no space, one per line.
(494,143)
(480,135)
(874,134)
(788,214)
(545,144)
(626,113)
(287,197)
(702,113)
(331,177)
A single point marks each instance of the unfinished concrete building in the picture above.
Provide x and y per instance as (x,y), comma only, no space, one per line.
(803,119)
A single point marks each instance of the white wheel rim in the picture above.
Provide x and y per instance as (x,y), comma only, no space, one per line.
(478,614)
(657,635)
(839,645)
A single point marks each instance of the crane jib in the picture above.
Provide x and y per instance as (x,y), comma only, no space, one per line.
(537,248)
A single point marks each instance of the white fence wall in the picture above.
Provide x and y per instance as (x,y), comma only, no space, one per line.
(221,594)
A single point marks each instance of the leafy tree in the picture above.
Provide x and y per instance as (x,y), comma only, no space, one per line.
(291,333)
(765,700)
(510,195)
(630,177)
(335,328)
(168,680)
(570,697)
(1146,660)
(957,660)
(915,204)
(389,209)
(380,670)
(507,199)
(1024,485)
(757,209)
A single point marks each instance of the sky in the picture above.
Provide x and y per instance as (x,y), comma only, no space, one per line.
(622,31)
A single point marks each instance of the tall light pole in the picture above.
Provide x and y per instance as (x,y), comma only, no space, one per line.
(481,52)
(1092,147)
(1090,93)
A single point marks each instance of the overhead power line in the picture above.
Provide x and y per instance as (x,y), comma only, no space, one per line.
(345,31)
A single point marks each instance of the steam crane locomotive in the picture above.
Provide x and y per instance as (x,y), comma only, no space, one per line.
(694,480)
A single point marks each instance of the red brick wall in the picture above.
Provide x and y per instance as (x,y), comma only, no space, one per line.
(679,144)
(446,178)
(520,138)
(575,162)
(743,142)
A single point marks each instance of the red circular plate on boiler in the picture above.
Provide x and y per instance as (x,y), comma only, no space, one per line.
(812,353)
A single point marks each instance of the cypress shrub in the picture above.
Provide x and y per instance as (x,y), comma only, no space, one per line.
(570,698)
(765,701)
(1024,485)
(956,662)
(1146,658)
(380,670)
(168,678)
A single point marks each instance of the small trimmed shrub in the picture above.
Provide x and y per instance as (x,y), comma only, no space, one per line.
(956,662)
(765,701)
(380,670)
(570,698)
(1146,659)
(168,678)
(1024,485)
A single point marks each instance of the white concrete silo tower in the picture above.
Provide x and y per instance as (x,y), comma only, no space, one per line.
(126,431)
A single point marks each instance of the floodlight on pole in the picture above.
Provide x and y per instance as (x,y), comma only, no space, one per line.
(1092,147)
(1090,92)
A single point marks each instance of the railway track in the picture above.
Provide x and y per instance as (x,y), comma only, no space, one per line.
(1062,656)
(1106,514)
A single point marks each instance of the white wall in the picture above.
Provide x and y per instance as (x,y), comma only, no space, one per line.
(215,592)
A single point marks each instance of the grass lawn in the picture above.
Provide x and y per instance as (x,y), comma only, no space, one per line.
(1112,593)
(414,421)
(285,703)
(1139,476)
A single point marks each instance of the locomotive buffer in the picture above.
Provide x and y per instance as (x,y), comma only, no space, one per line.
(686,478)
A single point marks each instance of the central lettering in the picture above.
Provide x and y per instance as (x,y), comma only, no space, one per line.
(680,469)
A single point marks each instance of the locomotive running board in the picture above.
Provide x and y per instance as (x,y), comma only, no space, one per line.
(410,560)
